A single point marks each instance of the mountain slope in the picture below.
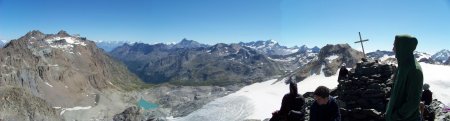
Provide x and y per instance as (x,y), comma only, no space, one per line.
(220,64)
(296,60)
(441,56)
(64,70)
(329,60)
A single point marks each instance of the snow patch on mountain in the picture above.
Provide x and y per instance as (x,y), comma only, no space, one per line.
(385,57)
(65,43)
(270,47)
(74,109)
(331,58)
(48,84)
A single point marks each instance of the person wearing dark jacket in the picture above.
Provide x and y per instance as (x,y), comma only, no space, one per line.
(291,106)
(325,107)
(427,95)
(343,73)
(406,90)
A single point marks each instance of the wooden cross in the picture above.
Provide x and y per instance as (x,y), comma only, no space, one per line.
(362,45)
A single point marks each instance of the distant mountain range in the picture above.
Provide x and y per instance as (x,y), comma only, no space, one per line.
(441,57)
(190,63)
(52,75)
(271,47)
(110,45)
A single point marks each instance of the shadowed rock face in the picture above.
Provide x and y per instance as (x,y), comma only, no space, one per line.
(220,64)
(60,69)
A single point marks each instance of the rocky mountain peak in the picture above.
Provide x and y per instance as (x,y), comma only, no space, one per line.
(338,49)
(304,49)
(62,33)
(34,34)
(185,43)
(60,71)
(315,49)
(271,42)
(329,60)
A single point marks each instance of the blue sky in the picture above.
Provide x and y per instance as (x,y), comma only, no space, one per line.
(290,22)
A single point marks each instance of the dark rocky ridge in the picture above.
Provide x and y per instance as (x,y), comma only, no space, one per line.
(365,93)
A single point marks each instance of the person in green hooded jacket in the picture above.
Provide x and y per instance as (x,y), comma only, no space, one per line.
(407,88)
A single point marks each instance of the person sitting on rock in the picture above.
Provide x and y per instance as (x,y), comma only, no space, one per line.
(343,73)
(292,106)
(427,96)
(325,107)
(405,93)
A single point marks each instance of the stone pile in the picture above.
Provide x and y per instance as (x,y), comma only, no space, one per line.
(364,93)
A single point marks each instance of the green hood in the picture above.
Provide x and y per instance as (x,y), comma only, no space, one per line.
(407,88)
(404,49)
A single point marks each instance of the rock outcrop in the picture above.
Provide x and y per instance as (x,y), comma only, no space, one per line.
(18,104)
(329,60)
(366,91)
(61,71)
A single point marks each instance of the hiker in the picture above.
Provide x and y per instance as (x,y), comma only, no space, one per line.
(292,106)
(427,96)
(343,73)
(325,107)
(406,90)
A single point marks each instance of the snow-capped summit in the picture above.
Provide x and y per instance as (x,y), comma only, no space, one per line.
(270,47)
(261,44)
(3,43)
(441,56)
